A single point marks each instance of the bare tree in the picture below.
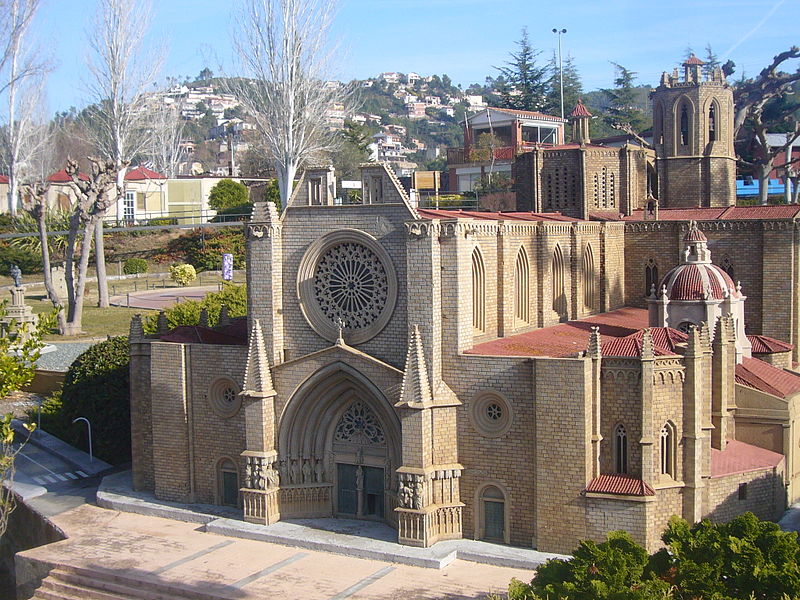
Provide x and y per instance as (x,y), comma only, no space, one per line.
(285,58)
(120,74)
(753,99)
(20,78)
(166,137)
(93,199)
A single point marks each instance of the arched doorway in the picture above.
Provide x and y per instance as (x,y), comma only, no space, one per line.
(340,433)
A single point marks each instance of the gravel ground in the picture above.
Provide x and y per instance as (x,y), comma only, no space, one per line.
(61,358)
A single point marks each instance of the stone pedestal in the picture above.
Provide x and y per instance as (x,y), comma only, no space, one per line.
(19,318)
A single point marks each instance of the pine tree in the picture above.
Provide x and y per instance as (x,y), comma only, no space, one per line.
(712,62)
(527,82)
(623,100)
(573,88)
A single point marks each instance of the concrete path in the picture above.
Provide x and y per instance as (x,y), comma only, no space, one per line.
(160,299)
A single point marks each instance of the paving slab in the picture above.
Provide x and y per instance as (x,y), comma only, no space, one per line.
(355,538)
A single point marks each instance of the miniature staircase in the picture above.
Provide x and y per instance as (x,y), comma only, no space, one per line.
(74,583)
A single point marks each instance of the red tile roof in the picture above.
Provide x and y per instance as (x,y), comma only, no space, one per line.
(687,282)
(764,377)
(695,235)
(762,344)
(605,215)
(619,484)
(566,339)
(3,179)
(62,177)
(430,213)
(693,60)
(580,110)
(188,334)
(730,213)
(739,457)
(141,174)
(665,342)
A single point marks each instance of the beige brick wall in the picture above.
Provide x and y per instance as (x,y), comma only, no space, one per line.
(765,495)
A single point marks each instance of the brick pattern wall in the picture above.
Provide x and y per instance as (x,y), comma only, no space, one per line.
(141,417)
(612,514)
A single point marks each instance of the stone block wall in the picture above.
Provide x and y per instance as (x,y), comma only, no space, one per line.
(764,495)
(141,417)
(606,513)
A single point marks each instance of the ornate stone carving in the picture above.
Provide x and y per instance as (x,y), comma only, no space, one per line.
(409,491)
(359,425)
(350,283)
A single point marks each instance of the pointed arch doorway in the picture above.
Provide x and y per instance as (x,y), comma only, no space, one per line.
(339,422)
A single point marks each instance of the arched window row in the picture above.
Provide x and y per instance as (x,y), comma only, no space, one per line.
(558,270)
(589,279)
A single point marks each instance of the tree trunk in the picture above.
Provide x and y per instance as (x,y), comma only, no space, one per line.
(285,180)
(762,172)
(100,264)
(48,277)
(76,311)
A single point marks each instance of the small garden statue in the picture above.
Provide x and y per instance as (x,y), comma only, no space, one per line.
(16,275)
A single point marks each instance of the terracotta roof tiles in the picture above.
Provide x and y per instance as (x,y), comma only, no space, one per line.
(62,177)
(730,213)
(693,60)
(431,213)
(580,110)
(142,174)
(762,344)
(764,377)
(619,484)
(739,457)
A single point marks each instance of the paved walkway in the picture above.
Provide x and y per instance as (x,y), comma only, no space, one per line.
(169,551)
(158,300)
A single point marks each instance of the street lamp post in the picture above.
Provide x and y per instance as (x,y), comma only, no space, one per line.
(89,427)
(559,33)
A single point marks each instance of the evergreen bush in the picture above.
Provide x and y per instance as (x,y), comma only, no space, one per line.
(182,274)
(188,312)
(133,266)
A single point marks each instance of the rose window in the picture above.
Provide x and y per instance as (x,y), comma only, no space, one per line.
(351,286)
(359,425)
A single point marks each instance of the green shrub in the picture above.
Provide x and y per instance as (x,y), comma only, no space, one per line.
(743,559)
(203,249)
(28,261)
(227,194)
(163,221)
(96,386)
(182,274)
(188,312)
(133,266)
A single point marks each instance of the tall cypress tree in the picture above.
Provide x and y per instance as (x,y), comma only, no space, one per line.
(527,82)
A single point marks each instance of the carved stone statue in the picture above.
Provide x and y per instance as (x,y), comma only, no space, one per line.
(294,475)
(319,470)
(16,275)
(405,495)
(307,471)
(272,477)
(359,478)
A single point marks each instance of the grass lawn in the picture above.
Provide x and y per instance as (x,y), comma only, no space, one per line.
(97,322)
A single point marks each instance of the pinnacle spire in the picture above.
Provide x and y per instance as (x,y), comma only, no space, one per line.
(416,388)
(648,351)
(137,330)
(594,349)
(257,374)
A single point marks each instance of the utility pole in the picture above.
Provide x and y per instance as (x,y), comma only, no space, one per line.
(559,33)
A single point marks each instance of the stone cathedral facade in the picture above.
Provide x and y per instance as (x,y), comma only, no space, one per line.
(527,378)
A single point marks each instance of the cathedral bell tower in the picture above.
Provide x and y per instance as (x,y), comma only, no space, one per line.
(693,138)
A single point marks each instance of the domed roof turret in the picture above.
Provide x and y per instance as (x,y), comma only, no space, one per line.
(697,278)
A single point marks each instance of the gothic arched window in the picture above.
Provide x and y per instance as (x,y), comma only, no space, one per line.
(620,449)
(559,292)
(712,123)
(522,287)
(658,122)
(589,279)
(478,292)
(684,132)
(650,277)
(727,266)
(668,449)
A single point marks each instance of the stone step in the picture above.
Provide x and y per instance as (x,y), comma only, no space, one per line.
(117,585)
(62,588)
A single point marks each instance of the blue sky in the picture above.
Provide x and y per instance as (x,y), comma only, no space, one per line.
(463,38)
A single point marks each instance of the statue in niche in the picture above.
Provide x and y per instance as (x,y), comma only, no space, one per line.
(359,478)
(283,470)
(294,475)
(307,471)
(272,477)
(319,470)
